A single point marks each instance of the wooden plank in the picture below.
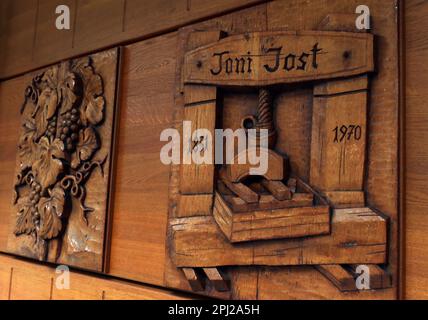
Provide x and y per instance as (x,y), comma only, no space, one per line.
(341,86)
(306,283)
(19,20)
(82,287)
(278,189)
(200,108)
(198,178)
(217,279)
(342,199)
(195,205)
(31,283)
(344,22)
(355,236)
(50,43)
(241,190)
(244,282)
(10,99)
(5,276)
(379,278)
(270,224)
(140,200)
(339,276)
(268,202)
(415,152)
(98,24)
(338,146)
(41,281)
(197,283)
(349,54)
(199,93)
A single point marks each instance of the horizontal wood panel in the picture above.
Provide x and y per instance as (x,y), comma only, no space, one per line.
(29,38)
(20,279)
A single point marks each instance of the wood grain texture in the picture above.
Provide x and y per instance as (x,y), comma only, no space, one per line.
(270,224)
(357,235)
(296,283)
(30,39)
(141,185)
(338,146)
(338,275)
(31,280)
(5,277)
(416,152)
(10,99)
(257,59)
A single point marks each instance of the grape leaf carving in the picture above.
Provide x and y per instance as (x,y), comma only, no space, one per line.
(51,210)
(24,222)
(93,103)
(49,164)
(58,141)
(48,102)
(87,145)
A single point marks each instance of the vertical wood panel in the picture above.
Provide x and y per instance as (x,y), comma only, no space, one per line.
(17,38)
(98,24)
(5,274)
(50,43)
(11,97)
(416,150)
(31,283)
(141,189)
(82,287)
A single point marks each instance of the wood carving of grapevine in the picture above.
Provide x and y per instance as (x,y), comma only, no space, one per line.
(63,108)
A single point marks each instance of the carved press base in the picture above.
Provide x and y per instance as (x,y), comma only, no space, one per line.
(309,209)
(63,164)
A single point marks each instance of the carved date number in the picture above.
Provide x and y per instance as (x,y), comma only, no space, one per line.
(347,132)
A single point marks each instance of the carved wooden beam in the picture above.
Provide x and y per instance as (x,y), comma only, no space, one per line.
(357,236)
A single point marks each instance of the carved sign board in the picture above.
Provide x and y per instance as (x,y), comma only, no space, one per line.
(63,164)
(266,58)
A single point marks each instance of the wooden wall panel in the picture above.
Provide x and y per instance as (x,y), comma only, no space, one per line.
(5,276)
(416,150)
(51,44)
(11,97)
(21,279)
(31,283)
(97,23)
(30,40)
(141,186)
(18,34)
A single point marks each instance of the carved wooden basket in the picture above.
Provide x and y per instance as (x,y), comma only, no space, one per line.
(280,211)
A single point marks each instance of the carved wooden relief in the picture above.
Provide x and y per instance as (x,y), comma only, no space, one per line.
(63,163)
(309,209)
